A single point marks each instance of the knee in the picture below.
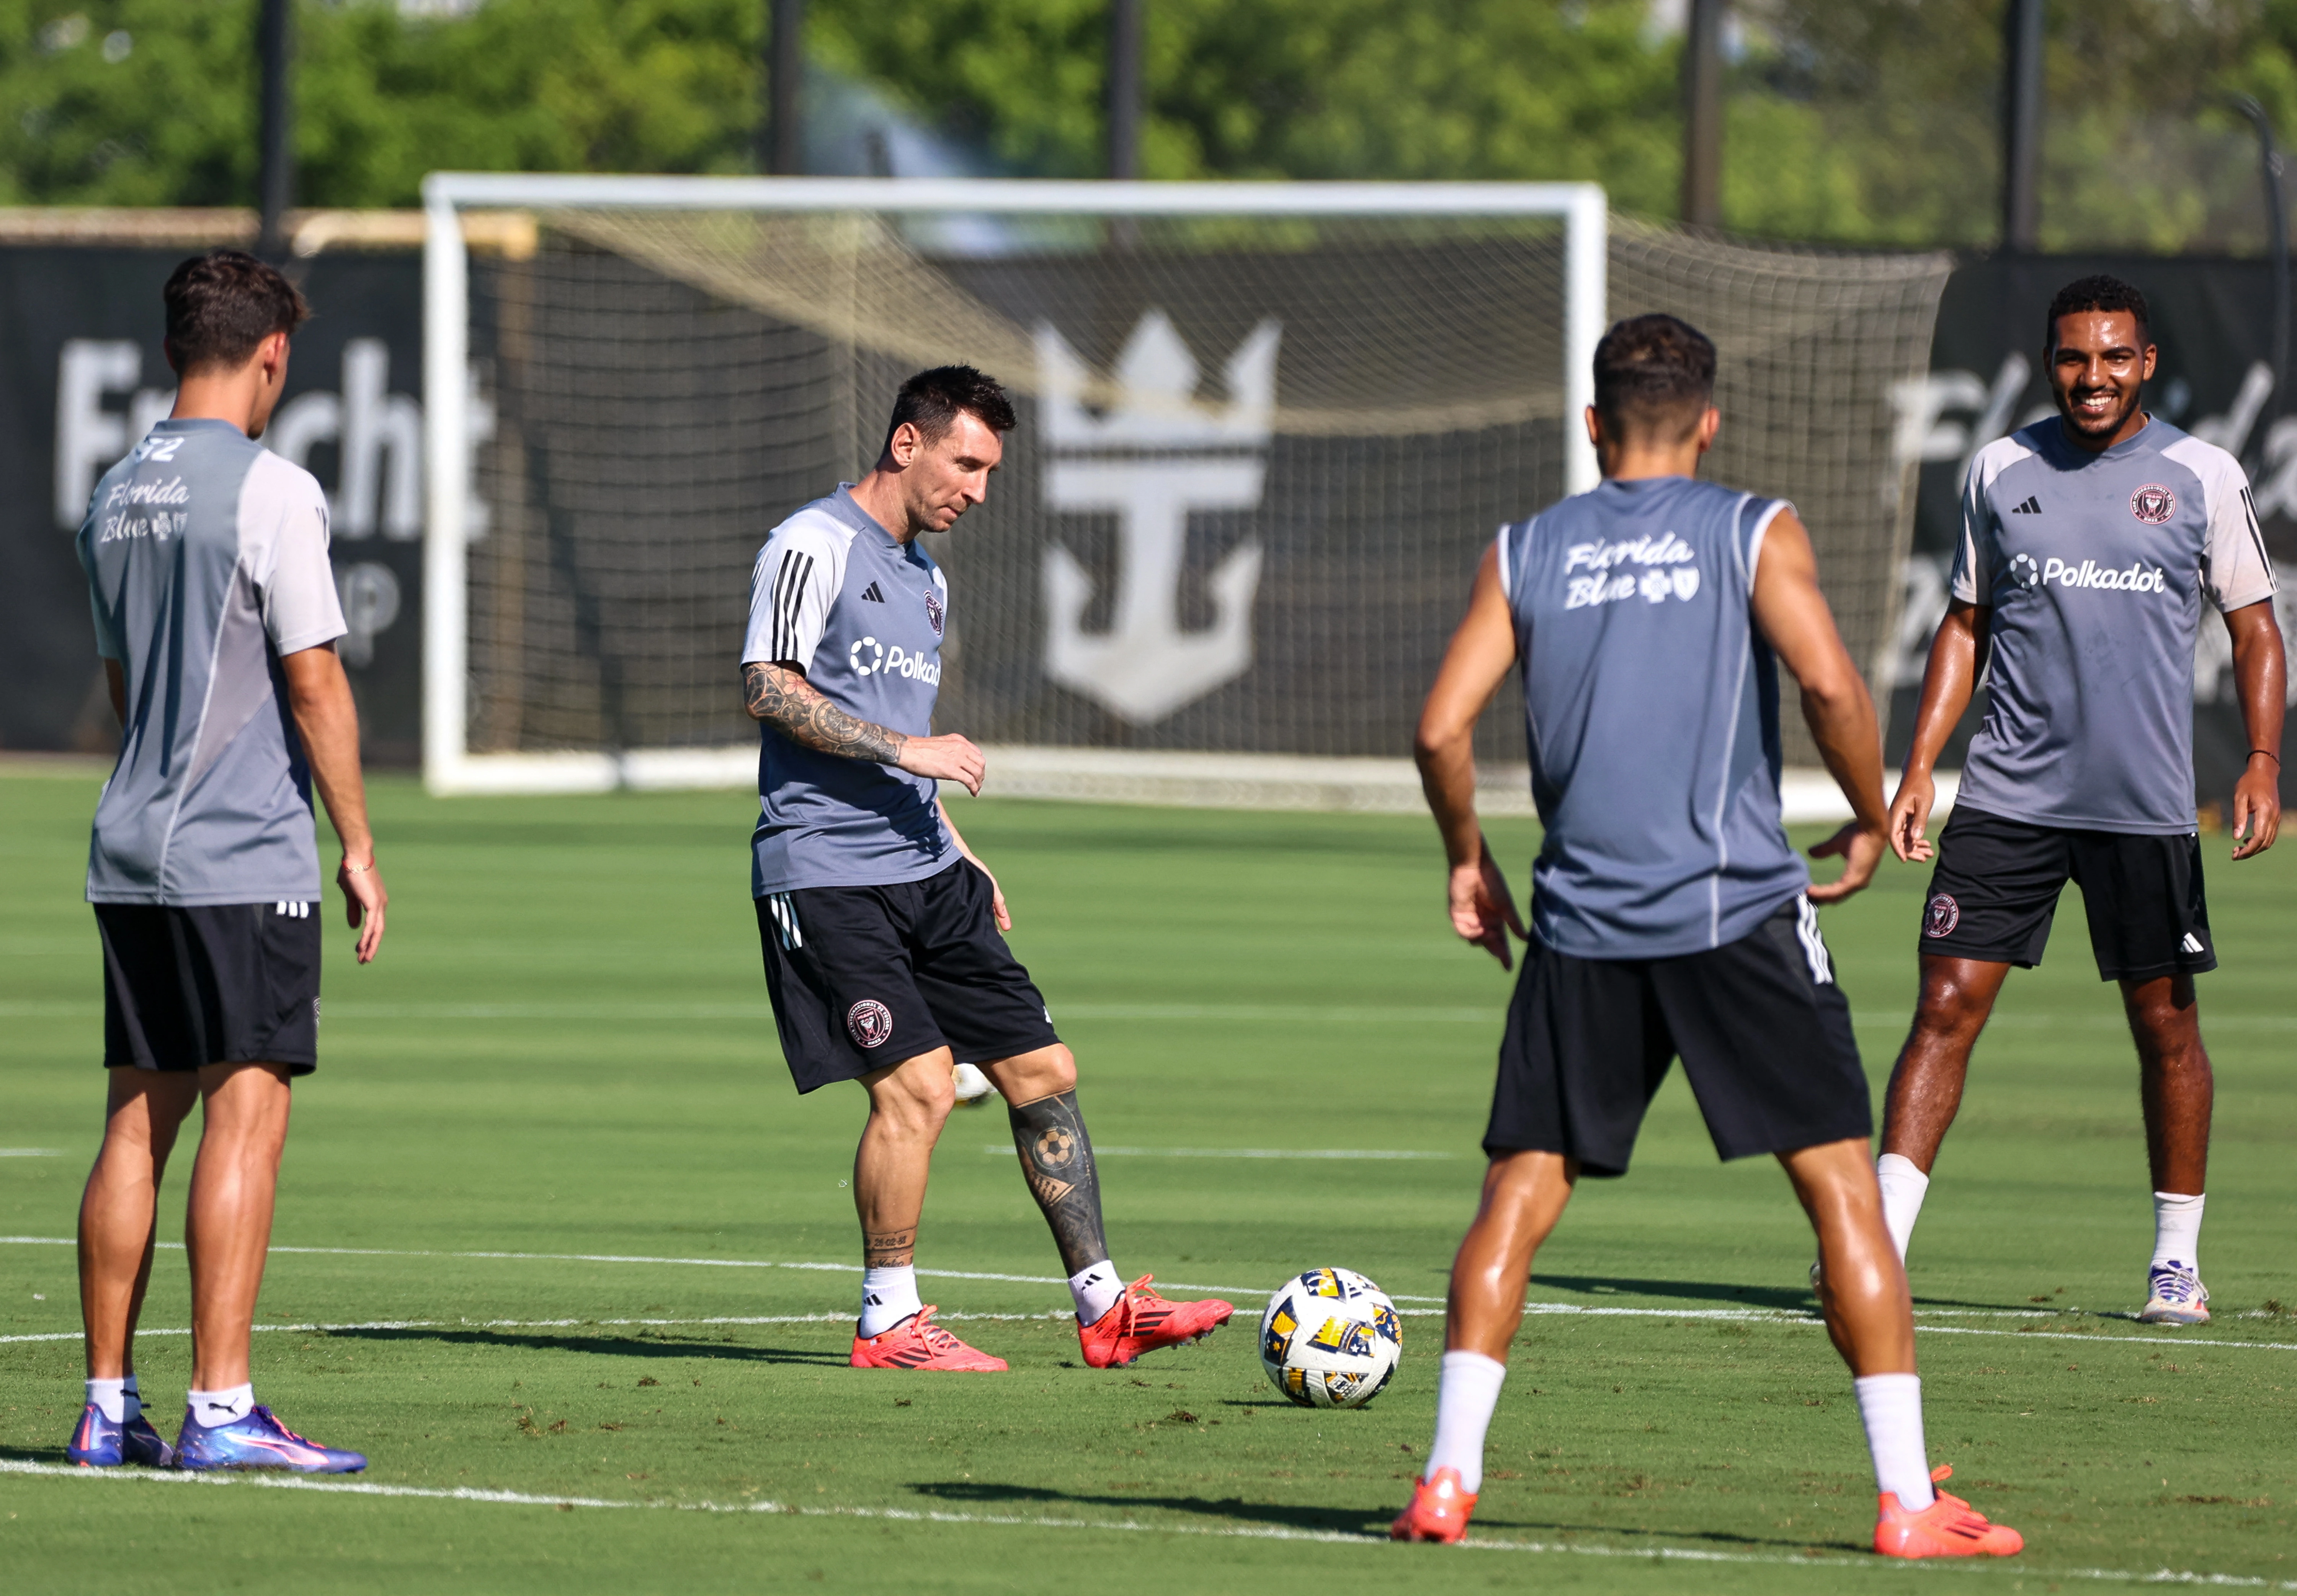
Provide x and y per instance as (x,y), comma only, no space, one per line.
(1032,1077)
(1949,1012)
(915,1099)
(1058,1070)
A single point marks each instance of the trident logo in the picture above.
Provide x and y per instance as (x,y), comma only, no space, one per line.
(1145,666)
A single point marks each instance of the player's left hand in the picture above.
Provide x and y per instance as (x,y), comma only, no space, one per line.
(2256,807)
(1860,849)
(1482,910)
(996,895)
(364,900)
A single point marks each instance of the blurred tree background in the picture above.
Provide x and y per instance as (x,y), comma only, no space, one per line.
(1848,121)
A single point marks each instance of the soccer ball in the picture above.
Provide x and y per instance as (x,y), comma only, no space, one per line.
(1331,1339)
(973,1087)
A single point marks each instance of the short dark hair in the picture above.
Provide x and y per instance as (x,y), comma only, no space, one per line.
(2101,292)
(222,304)
(1652,373)
(933,400)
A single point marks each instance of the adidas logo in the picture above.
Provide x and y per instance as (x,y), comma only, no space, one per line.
(2191,944)
(872,595)
(2032,506)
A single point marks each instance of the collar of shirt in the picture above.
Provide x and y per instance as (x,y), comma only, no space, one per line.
(842,505)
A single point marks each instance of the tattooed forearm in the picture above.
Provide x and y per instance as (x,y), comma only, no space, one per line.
(1057,1157)
(888,1249)
(785,701)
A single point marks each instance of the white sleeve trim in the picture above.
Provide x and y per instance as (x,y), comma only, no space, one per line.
(1505,544)
(2236,572)
(797,578)
(282,547)
(1754,557)
(1970,581)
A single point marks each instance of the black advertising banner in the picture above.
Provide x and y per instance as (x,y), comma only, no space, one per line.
(2212,320)
(82,377)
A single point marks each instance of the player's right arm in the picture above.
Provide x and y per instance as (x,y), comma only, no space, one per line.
(1951,676)
(1481,655)
(796,581)
(777,693)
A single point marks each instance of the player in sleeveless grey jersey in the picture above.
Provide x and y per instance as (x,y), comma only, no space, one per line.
(882,931)
(1670,917)
(216,618)
(2090,543)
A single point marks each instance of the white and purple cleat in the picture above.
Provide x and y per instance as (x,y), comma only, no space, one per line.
(99,1443)
(259,1440)
(2174,1296)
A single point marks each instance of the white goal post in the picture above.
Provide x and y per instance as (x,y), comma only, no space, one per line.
(1286,776)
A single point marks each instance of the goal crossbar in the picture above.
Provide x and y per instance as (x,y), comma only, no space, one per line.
(449,764)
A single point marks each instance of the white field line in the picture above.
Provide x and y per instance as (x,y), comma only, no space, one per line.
(31,1152)
(2174,1335)
(467,1493)
(1007,1152)
(560,1324)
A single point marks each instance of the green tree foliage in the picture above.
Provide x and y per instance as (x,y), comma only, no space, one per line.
(1856,121)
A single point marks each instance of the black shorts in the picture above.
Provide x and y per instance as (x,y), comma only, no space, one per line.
(220,984)
(865,976)
(1763,1031)
(1995,888)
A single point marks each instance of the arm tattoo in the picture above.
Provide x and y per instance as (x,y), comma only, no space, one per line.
(888,1249)
(781,698)
(1057,1160)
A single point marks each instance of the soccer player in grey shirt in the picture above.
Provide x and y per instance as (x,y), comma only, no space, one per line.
(2090,542)
(216,617)
(882,933)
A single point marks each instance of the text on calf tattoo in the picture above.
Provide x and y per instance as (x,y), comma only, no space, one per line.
(786,702)
(1057,1159)
(888,1249)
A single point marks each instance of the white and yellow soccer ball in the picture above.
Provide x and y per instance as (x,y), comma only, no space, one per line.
(1331,1339)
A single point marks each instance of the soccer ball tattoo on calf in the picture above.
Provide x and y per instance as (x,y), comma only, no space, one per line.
(1057,1159)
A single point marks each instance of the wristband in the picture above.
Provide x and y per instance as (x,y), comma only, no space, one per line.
(2274,757)
(351,869)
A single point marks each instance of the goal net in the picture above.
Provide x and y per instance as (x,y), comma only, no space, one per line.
(1265,433)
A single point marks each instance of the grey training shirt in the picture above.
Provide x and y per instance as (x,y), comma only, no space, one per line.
(1652,707)
(207,559)
(862,614)
(2095,567)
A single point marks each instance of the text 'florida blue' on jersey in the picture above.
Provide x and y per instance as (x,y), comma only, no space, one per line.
(1650,704)
(862,614)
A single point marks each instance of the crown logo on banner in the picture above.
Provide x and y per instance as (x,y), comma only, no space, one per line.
(1154,454)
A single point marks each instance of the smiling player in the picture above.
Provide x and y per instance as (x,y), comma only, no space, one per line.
(2089,542)
(881,928)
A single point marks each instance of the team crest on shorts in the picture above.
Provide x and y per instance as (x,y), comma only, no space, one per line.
(2154,503)
(932,609)
(869,1023)
(1942,917)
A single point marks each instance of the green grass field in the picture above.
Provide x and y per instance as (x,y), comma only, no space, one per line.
(588,1258)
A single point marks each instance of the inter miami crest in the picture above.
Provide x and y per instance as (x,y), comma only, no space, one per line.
(932,609)
(2154,503)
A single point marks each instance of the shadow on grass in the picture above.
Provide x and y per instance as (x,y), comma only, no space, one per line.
(601,1345)
(34,1454)
(1348,1521)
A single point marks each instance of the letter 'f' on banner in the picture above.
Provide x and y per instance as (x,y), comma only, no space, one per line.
(1145,666)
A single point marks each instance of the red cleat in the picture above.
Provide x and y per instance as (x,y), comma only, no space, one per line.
(915,1344)
(1438,1512)
(1142,1321)
(1949,1528)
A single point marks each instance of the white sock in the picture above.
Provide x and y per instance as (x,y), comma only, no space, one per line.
(131,1399)
(110,1396)
(2177,1230)
(889,1296)
(212,1408)
(1904,1187)
(1470,1391)
(1095,1289)
(1891,1405)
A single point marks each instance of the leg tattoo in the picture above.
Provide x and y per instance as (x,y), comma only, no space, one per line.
(1057,1158)
(888,1249)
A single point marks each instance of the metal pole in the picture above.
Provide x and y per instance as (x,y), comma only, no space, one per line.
(2276,223)
(1124,92)
(276,183)
(784,151)
(2021,127)
(1702,115)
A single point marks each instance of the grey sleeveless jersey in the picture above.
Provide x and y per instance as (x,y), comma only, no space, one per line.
(2095,568)
(207,559)
(862,614)
(1650,704)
